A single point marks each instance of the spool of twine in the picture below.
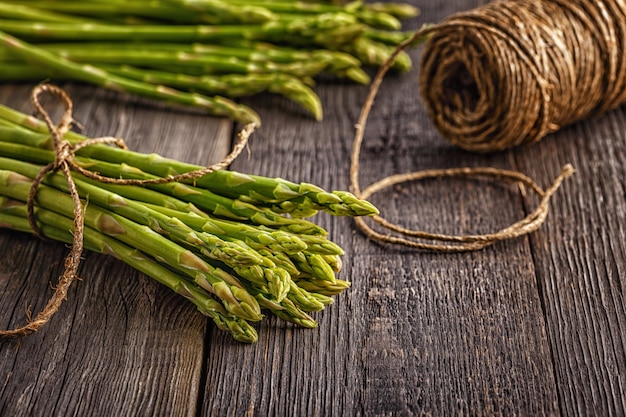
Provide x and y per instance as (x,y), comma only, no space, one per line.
(511,72)
(501,75)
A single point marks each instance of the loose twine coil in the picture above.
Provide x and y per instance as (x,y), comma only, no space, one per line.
(506,74)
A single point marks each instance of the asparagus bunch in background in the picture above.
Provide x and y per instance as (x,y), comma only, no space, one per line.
(204,53)
(233,244)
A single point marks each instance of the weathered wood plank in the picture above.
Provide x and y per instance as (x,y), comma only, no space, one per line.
(529,327)
(580,260)
(418,333)
(121,344)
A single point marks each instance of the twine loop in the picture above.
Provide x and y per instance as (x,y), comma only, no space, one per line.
(489,141)
(64,161)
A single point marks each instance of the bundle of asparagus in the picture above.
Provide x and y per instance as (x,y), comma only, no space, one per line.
(231,243)
(203,53)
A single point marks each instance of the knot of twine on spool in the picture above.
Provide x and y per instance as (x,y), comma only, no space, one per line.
(506,74)
(64,161)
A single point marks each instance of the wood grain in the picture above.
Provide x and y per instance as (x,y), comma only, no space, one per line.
(533,326)
(580,260)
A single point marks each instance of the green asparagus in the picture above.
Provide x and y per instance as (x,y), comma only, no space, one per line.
(231,250)
(58,228)
(204,53)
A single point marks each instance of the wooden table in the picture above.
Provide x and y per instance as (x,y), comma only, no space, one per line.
(532,326)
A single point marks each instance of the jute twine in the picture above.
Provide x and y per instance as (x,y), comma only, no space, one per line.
(511,72)
(506,74)
(64,162)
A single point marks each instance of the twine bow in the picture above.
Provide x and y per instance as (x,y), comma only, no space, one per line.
(64,161)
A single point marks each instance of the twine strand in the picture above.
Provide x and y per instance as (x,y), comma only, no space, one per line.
(64,161)
(491,80)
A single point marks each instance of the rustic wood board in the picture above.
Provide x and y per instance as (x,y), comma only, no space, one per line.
(533,326)
(580,261)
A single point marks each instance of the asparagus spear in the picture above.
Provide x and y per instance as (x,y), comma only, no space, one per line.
(208,11)
(279,194)
(398,10)
(57,227)
(29,13)
(234,297)
(322,286)
(221,11)
(374,53)
(218,61)
(314,265)
(287,310)
(217,106)
(326,30)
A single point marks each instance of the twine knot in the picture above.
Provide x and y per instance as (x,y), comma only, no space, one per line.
(63,154)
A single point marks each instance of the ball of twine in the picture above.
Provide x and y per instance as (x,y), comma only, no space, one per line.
(501,75)
(511,72)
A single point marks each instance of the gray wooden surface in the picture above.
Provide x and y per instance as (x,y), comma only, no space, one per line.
(534,326)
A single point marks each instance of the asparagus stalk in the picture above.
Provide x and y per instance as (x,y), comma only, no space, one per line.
(218,61)
(232,293)
(165,10)
(378,15)
(398,10)
(374,53)
(287,310)
(29,13)
(313,265)
(322,286)
(320,30)
(217,106)
(281,195)
(208,11)
(57,227)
